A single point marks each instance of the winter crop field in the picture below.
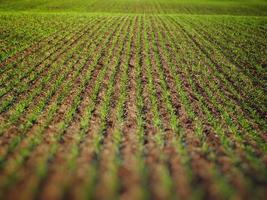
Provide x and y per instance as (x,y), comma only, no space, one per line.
(133,99)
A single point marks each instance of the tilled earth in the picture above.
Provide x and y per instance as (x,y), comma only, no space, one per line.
(137,107)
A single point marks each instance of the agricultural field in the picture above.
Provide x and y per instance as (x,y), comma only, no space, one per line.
(131,99)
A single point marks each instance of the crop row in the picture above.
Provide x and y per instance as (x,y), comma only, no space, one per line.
(142,107)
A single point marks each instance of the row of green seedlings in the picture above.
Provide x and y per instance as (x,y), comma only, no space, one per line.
(70,164)
(136,74)
(37,110)
(163,174)
(254,104)
(247,26)
(237,132)
(31,36)
(102,76)
(239,32)
(178,82)
(143,169)
(22,83)
(62,126)
(228,114)
(121,41)
(252,36)
(226,142)
(19,25)
(206,74)
(232,73)
(39,48)
(226,190)
(78,137)
(246,50)
(255,117)
(64,90)
(25,101)
(233,141)
(85,119)
(255,82)
(244,76)
(220,74)
(122,78)
(103,107)
(20,75)
(175,124)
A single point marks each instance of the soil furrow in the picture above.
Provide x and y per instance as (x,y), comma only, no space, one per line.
(10,134)
(57,119)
